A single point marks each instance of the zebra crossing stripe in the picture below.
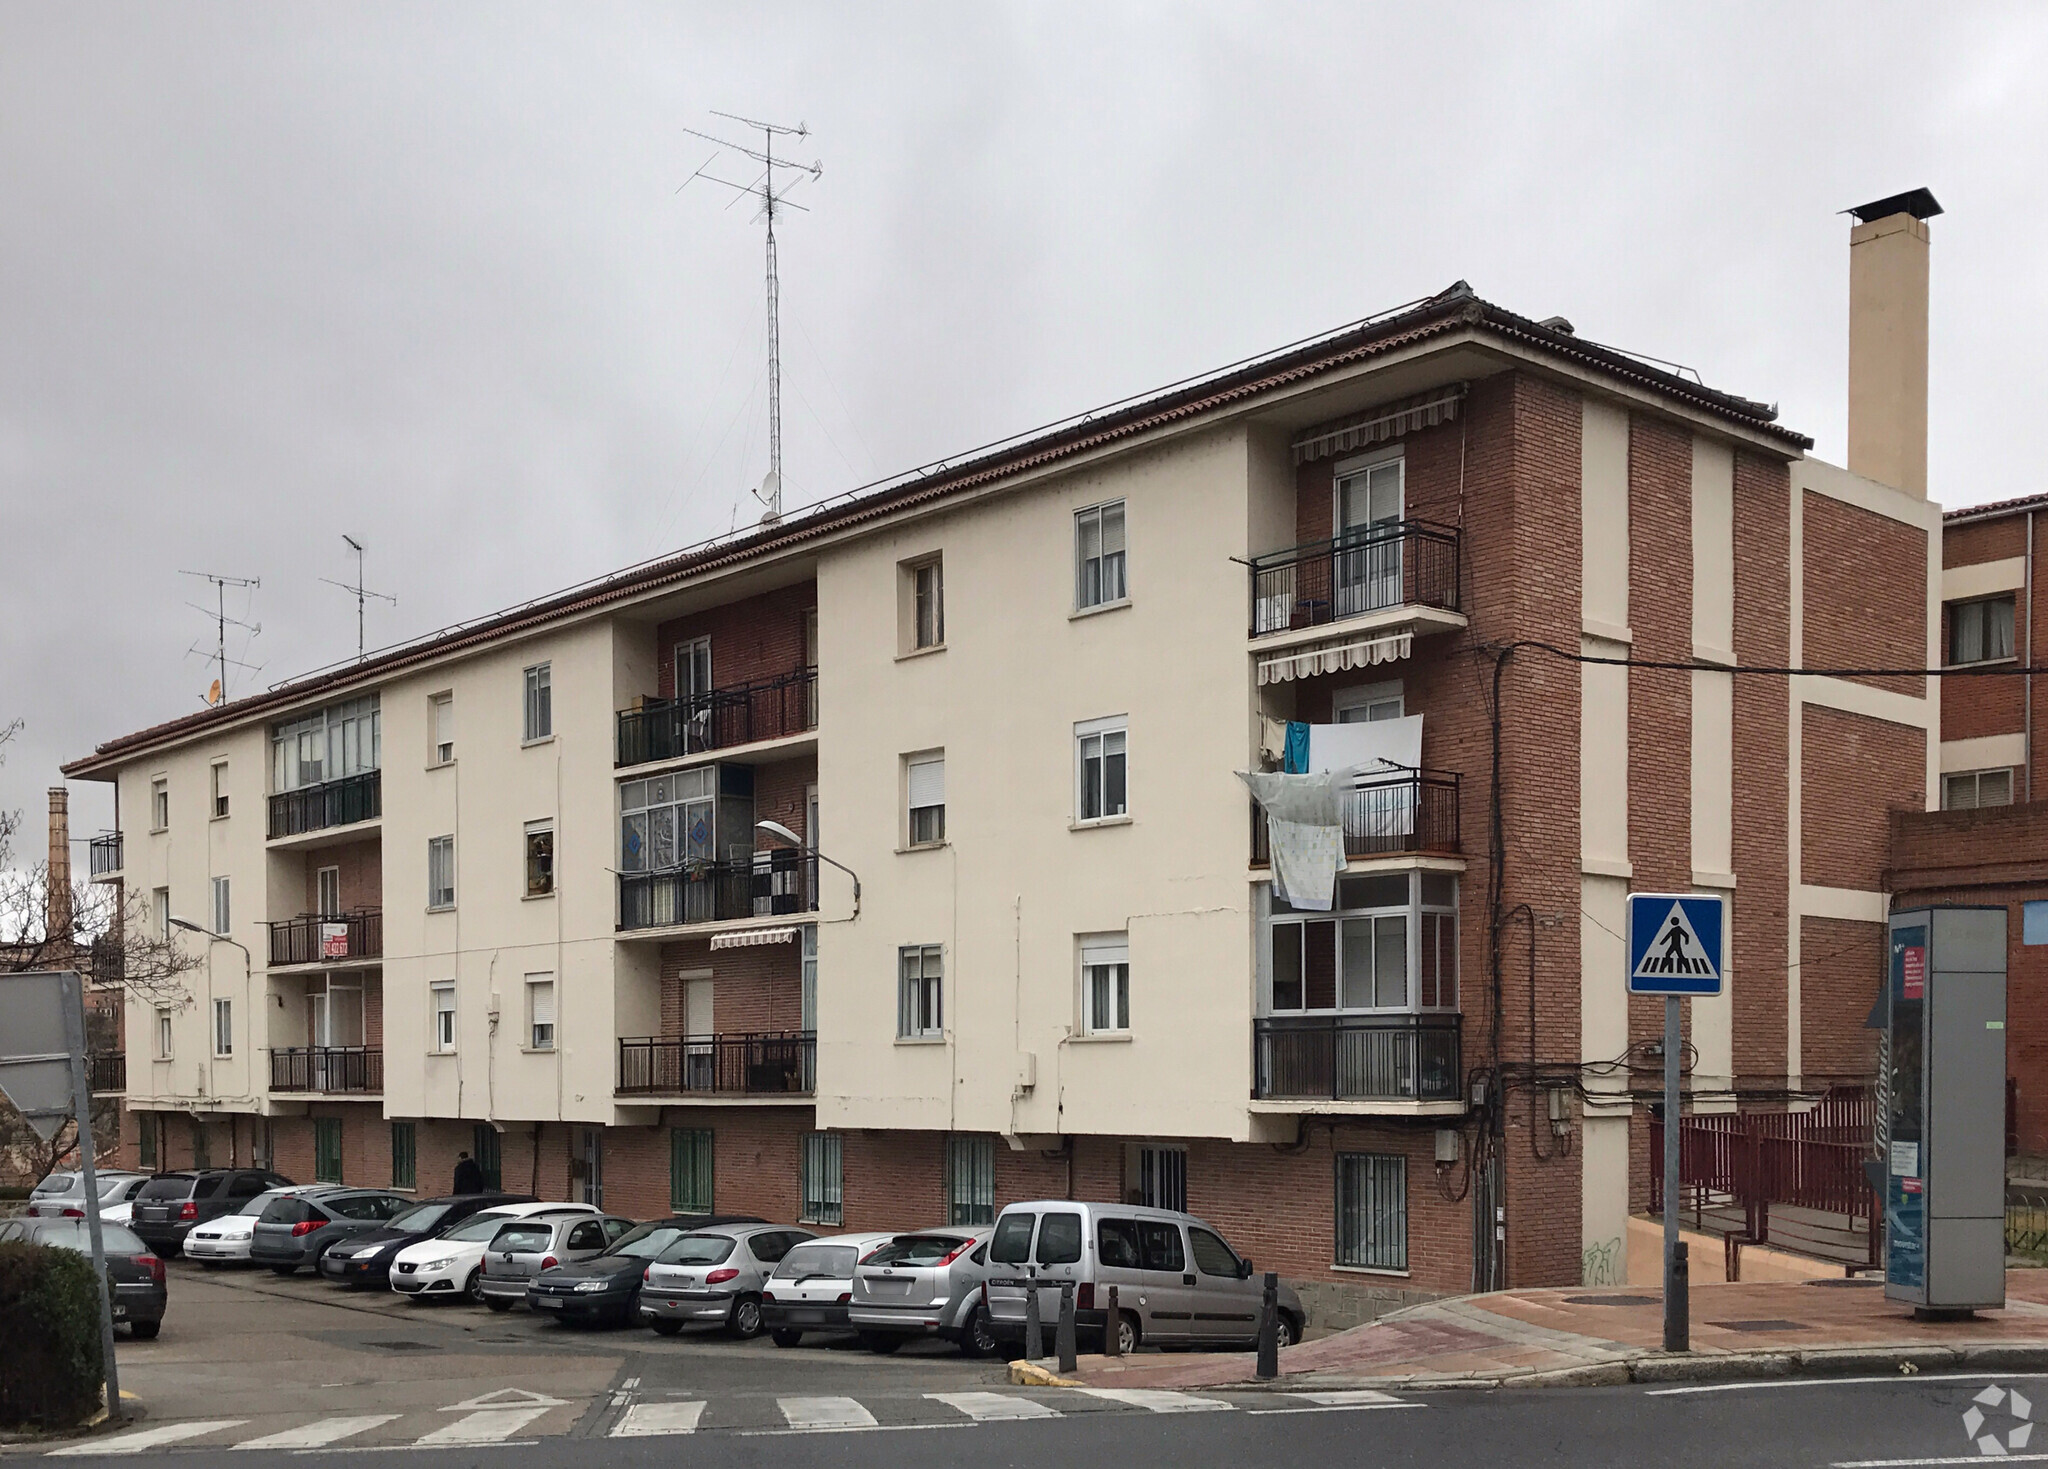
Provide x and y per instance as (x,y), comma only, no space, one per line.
(993,1407)
(824,1413)
(485,1425)
(148,1438)
(1360,1397)
(318,1434)
(1156,1400)
(647,1420)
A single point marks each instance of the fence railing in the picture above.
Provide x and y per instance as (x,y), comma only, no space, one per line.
(770,709)
(1357,1058)
(327,1069)
(341,802)
(312,938)
(107,1071)
(1409,813)
(1403,563)
(2026,1222)
(756,1063)
(781,881)
(103,854)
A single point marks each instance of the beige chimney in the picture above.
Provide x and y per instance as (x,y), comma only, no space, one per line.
(57,902)
(1888,340)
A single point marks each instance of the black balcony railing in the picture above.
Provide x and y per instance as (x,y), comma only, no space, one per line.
(782,881)
(768,1063)
(669,729)
(103,854)
(1410,813)
(1357,1058)
(109,959)
(327,1069)
(1403,563)
(108,1071)
(313,939)
(341,802)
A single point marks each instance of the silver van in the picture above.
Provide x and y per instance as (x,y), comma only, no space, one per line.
(1178,1283)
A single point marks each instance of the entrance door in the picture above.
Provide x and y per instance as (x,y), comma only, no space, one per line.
(700,1047)
(1369,549)
(593,1166)
(327,882)
(693,693)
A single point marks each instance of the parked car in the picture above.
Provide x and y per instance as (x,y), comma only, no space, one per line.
(522,1248)
(62,1195)
(925,1284)
(606,1287)
(226,1240)
(452,1263)
(1177,1282)
(812,1286)
(170,1205)
(298,1229)
(140,1293)
(366,1259)
(715,1275)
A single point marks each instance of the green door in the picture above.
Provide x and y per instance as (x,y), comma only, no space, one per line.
(327,1150)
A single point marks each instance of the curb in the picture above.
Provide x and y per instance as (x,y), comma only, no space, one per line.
(1030,1374)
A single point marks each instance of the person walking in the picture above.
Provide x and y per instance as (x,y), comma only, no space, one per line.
(469,1175)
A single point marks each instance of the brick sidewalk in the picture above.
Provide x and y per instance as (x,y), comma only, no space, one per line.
(1596,1335)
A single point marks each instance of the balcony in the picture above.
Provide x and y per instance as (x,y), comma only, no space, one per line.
(775,1063)
(107,1071)
(1357,1058)
(103,856)
(342,802)
(1410,813)
(773,883)
(674,729)
(1401,564)
(327,1069)
(313,939)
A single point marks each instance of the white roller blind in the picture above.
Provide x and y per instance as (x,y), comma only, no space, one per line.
(543,991)
(928,782)
(1115,950)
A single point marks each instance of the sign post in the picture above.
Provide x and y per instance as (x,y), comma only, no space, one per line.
(1674,950)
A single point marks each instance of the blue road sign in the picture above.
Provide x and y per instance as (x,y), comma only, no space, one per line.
(1674,943)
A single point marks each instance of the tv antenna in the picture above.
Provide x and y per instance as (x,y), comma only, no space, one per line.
(773,195)
(358,591)
(221,622)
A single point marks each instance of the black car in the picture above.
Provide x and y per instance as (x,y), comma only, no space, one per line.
(298,1229)
(366,1259)
(140,1294)
(606,1287)
(169,1205)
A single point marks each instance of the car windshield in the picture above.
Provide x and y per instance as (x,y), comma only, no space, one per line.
(170,1186)
(113,1188)
(422,1218)
(697,1249)
(482,1227)
(1012,1242)
(261,1202)
(57,1183)
(917,1249)
(523,1237)
(817,1262)
(648,1241)
(71,1234)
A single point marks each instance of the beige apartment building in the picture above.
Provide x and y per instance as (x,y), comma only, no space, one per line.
(573,887)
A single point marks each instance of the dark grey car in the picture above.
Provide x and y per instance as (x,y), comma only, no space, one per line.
(522,1248)
(166,1208)
(297,1230)
(137,1275)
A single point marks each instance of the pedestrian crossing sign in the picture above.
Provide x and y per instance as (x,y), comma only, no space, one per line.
(1674,943)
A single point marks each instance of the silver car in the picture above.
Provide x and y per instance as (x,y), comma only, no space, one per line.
(62,1195)
(925,1284)
(714,1276)
(522,1248)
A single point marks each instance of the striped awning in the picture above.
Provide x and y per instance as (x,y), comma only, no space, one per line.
(1333,657)
(1388,421)
(748,938)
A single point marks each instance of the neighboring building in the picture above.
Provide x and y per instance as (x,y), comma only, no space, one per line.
(505,890)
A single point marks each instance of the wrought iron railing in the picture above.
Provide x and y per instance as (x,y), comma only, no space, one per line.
(668,729)
(781,881)
(1403,563)
(107,1071)
(103,854)
(313,939)
(756,1063)
(1357,1058)
(327,1069)
(1408,813)
(341,802)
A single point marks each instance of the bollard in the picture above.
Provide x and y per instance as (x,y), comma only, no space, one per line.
(1112,1328)
(1063,1338)
(1269,1330)
(1034,1333)
(1677,1310)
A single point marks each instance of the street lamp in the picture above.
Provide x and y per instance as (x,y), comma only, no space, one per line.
(778,830)
(248,983)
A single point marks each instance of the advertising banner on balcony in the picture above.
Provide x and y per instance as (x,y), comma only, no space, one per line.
(334,940)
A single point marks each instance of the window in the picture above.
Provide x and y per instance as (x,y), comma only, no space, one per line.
(693,672)
(327,891)
(924,783)
(1099,769)
(486,1147)
(540,702)
(163,1032)
(145,1141)
(1099,555)
(220,788)
(970,1181)
(328,744)
(1436,974)
(1105,984)
(1158,1177)
(1389,943)
(920,995)
(689,1170)
(159,804)
(160,913)
(223,1027)
(923,604)
(540,858)
(1212,1256)
(441,722)
(667,821)
(1964,790)
(405,1155)
(327,1150)
(1980,631)
(1059,1239)
(1372,1211)
(540,1012)
(820,1183)
(444,1015)
(1368,704)
(220,905)
(441,872)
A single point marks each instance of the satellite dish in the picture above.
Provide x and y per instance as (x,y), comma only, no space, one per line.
(770,494)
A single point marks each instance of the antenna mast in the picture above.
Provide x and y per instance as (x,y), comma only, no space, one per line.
(772,197)
(221,621)
(358,591)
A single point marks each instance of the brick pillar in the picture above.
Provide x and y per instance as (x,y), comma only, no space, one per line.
(57,901)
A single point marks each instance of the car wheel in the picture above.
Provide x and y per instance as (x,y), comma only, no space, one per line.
(284,1270)
(782,1336)
(473,1288)
(1287,1331)
(979,1340)
(497,1305)
(145,1330)
(664,1326)
(881,1343)
(746,1318)
(1126,1333)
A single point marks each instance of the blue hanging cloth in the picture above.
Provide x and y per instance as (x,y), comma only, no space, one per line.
(1297,748)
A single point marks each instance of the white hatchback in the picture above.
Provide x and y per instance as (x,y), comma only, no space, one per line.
(452,1264)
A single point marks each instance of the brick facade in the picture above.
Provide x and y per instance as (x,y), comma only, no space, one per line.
(1865,605)
(361,876)
(752,639)
(1855,770)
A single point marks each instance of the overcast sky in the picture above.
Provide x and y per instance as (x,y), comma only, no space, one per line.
(269,274)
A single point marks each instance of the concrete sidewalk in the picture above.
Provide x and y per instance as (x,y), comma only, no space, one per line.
(1584,1337)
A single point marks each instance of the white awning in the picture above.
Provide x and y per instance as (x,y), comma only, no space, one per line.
(748,938)
(1335,657)
(1388,421)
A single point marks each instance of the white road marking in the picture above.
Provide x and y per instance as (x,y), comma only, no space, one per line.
(1333,1408)
(1156,1400)
(1350,1397)
(148,1438)
(824,1413)
(485,1425)
(1978,1458)
(646,1420)
(993,1407)
(1672,1392)
(314,1435)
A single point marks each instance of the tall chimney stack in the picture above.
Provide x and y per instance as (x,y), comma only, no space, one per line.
(1888,340)
(57,902)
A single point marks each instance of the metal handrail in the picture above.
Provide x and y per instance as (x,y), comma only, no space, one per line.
(1416,812)
(341,802)
(779,881)
(1358,1058)
(103,854)
(304,939)
(750,1063)
(327,1069)
(767,709)
(1399,563)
